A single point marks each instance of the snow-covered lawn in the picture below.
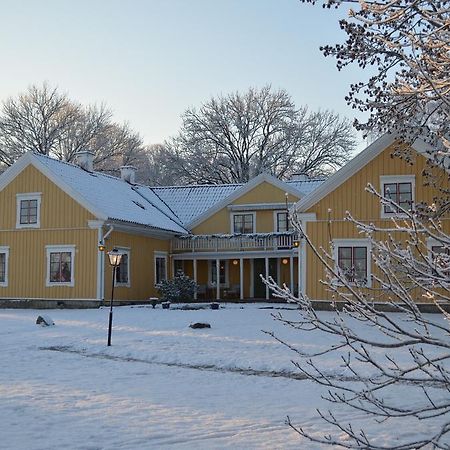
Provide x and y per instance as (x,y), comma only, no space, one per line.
(160,385)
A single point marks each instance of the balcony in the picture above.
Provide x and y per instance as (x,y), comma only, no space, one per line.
(235,242)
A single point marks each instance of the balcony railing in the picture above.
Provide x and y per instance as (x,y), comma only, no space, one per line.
(234,242)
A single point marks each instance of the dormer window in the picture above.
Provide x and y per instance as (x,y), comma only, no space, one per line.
(399,189)
(28,210)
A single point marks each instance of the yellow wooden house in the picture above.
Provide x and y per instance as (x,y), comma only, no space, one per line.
(55,215)
(326,209)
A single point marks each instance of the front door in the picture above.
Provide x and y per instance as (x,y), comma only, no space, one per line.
(259,288)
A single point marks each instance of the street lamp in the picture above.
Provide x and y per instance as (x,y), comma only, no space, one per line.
(114,259)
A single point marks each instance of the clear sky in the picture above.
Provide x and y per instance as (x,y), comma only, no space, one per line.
(149,60)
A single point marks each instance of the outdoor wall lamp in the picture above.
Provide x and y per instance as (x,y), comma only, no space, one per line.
(115,257)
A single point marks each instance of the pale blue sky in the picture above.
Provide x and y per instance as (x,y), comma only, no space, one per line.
(150,60)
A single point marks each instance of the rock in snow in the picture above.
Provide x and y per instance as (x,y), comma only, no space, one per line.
(45,321)
(199,325)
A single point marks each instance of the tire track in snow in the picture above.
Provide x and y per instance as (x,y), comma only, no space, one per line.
(205,367)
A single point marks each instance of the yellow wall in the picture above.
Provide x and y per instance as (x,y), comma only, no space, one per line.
(63,221)
(220,222)
(351,196)
(142,265)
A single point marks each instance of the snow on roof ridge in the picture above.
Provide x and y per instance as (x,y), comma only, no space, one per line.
(195,186)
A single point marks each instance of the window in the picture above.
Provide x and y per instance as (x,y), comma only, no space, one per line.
(28,210)
(60,265)
(282,222)
(352,260)
(439,256)
(123,270)
(243,223)
(223,273)
(160,267)
(4,256)
(399,189)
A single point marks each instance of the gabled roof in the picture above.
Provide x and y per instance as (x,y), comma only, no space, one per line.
(354,166)
(345,172)
(241,190)
(192,202)
(105,196)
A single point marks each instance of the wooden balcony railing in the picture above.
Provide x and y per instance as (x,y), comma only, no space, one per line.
(235,242)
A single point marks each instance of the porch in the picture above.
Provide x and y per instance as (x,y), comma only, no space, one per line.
(229,266)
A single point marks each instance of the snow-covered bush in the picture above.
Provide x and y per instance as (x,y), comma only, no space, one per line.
(179,289)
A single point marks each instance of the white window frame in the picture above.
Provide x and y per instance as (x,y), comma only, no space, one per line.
(431,242)
(227,273)
(353,243)
(157,255)
(28,196)
(61,249)
(275,220)
(5,250)
(387,179)
(242,213)
(125,251)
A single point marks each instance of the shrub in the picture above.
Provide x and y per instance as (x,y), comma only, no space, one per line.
(178,289)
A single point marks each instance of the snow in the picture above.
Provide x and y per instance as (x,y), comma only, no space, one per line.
(114,197)
(161,384)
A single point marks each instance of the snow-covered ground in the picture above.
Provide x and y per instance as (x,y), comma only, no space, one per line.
(161,384)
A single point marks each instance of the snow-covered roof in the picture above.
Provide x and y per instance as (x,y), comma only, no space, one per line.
(168,208)
(190,202)
(113,197)
(305,187)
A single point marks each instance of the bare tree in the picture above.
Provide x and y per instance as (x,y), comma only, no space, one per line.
(382,352)
(233,138)
(46,121)
(407,42)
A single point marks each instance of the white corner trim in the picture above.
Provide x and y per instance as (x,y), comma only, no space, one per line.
(5,251)
(61,248)
(246,213)
(386,179)
(263,177)
(345,172)
(28,196)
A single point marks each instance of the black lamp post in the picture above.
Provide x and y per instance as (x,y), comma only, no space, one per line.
(114,259)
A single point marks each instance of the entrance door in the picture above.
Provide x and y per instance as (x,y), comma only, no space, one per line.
(259,288)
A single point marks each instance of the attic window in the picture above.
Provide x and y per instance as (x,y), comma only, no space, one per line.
(138,204)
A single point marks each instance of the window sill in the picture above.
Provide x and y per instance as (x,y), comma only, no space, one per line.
(55,284)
